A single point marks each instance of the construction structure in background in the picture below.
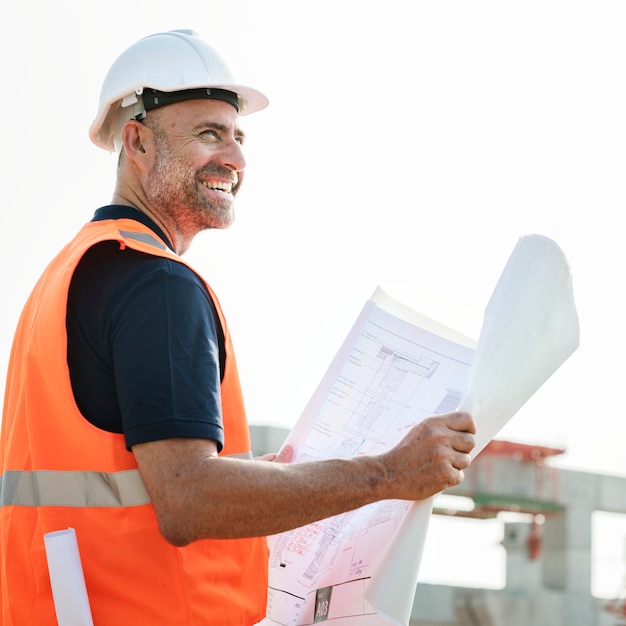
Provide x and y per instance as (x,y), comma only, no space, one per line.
(548,547)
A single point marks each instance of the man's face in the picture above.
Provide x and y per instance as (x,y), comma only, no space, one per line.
(199,164)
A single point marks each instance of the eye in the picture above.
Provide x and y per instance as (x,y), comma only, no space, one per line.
(209,133)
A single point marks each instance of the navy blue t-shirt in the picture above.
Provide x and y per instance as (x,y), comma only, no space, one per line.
(145,347)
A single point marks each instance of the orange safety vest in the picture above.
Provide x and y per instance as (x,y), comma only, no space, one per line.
(59,471)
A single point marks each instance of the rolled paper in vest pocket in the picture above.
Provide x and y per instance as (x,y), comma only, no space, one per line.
(69,591)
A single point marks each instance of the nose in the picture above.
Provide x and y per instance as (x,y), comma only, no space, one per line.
(233,157)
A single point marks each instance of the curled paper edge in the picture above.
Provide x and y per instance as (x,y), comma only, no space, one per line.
(539,270)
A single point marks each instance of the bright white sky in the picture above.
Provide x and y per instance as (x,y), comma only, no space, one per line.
(409,149)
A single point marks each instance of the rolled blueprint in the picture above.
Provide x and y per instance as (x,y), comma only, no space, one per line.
(67,579)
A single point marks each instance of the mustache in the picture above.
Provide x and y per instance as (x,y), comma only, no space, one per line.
(212,169)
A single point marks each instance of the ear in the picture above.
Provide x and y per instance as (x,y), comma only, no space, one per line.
(138,140)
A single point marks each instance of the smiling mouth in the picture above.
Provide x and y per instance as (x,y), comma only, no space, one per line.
(219,186)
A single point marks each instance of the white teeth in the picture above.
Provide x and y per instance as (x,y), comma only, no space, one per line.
(219,186)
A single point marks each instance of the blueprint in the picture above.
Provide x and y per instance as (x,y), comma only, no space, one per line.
(389,375)
(394,369)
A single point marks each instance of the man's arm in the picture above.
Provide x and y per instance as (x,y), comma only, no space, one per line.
(198,495)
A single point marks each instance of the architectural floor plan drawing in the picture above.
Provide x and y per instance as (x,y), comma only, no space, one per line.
(388,376)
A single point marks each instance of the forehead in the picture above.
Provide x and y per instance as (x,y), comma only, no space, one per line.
(194,114)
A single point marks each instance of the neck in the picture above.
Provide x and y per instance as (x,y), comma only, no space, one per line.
(126,197)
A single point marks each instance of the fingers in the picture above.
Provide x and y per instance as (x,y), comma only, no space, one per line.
(463,442)
(464,428)
(270,456)
(461,421)
(450,438)
(283,456)
(460,461)
(455,430)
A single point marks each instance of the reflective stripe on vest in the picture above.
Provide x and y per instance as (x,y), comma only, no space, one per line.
(76,489)
(144,238)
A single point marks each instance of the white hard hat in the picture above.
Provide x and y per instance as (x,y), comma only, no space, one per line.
(174,61)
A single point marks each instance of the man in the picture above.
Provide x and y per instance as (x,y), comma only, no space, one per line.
(123,414)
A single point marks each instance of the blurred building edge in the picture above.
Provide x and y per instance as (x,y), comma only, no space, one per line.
(548,552)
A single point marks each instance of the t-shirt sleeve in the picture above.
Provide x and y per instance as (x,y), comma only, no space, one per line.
(166,360)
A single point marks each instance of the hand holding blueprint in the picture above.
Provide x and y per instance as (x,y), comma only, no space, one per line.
(394,369)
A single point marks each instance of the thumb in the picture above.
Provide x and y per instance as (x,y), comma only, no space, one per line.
(285,455)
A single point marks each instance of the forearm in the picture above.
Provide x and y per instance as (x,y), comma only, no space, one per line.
(210,497)
(257,498)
